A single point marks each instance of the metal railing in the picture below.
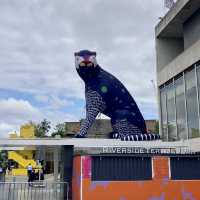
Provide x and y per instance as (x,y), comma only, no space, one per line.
(33,190)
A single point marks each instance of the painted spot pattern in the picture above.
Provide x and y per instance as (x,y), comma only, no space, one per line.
(94,105)
(106,94)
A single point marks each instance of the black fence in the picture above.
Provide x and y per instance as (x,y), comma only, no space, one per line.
(185,168)
(121,168)
(33,191)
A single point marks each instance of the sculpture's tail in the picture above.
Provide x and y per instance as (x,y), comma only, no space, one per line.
(137,137)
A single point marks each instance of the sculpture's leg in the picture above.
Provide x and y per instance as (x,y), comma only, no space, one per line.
(94,105)
(129,132)
(114,134)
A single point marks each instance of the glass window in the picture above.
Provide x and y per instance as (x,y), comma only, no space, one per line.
(163,114)
(171,119)
(198,83)
(191,99)
(180,109)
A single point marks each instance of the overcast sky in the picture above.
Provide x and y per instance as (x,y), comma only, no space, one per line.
(37,41)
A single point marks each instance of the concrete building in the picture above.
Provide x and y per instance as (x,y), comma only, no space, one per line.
(118,170)
(178,71)
(101,128)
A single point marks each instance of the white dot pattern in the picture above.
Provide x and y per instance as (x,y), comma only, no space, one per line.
(126,131)
(94,105)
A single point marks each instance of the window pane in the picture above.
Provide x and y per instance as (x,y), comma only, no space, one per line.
(171,121)
(180,109)
(198,78)
(191,97)
(121,168)
(163,114)
(185,168)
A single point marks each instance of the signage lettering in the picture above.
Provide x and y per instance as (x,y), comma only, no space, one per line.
(144,150)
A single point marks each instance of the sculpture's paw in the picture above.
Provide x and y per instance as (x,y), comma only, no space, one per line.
(113,135)
(141,137)
(78,135)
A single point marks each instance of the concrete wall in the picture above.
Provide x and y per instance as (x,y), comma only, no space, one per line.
(191,30)
(187,58)
(170,25)
(167,49)
(100,128)
(72,128)
(151,125)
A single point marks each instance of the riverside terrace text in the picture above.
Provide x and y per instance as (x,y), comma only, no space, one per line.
(143,150)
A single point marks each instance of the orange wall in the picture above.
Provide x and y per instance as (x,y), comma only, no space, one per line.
(160,188)
(160,167)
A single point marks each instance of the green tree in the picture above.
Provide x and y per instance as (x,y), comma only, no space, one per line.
(3,156)
(42,129)
(59,129)
(3,159)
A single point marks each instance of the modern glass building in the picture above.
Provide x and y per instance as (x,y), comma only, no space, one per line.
(180,104)
(178,71)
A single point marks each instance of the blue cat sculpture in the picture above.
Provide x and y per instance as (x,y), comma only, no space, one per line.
(105,94)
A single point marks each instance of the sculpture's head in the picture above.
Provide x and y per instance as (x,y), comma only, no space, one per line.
(86,64)
(85,59)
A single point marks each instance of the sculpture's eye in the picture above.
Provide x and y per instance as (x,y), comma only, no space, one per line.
(82,64)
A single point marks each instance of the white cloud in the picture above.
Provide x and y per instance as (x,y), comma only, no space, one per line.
(14,113)
(12,108)
(57,103)
(7,128)
(53,101)
(41,98)
(38,39)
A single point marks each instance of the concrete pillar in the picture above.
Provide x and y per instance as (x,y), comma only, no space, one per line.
(56,162)
(67,152)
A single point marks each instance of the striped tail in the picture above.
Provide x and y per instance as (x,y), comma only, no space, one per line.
(137,137)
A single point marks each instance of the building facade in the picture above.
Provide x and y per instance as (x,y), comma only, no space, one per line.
(101,128)
(141,177)
(178,71)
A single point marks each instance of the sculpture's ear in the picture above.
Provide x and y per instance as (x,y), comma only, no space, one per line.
(76,54)
(94,53)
